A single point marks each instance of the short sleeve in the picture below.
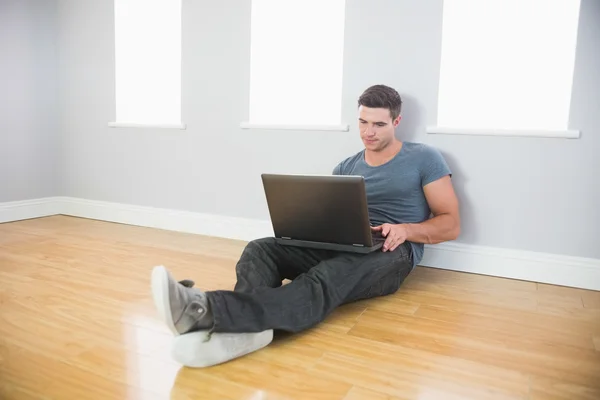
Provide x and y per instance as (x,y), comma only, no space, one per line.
(434,166)
(337,170)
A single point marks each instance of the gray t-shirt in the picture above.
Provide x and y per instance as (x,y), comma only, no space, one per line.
(395,189)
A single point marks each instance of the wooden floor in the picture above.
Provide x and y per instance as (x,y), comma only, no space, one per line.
(77,322)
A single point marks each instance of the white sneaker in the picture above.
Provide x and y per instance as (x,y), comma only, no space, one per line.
(196,349)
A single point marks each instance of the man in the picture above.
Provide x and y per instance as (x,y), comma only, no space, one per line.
(411,202)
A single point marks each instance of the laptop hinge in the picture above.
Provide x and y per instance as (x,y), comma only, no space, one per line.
(286,238)
(359,245)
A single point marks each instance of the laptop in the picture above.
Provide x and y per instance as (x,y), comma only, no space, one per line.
(326,212)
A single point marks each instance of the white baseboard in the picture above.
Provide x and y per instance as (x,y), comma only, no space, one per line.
(507,263)
(174,220)
(549,268)
(28,209)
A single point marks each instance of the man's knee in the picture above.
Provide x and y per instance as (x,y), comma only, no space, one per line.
(261,244)
(257,271)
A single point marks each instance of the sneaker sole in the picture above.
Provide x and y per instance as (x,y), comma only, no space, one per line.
(160,294)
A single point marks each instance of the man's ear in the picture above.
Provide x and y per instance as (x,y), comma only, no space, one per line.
(397,121)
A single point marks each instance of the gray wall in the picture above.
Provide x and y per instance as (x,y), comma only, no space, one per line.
(29,102)
(521,193)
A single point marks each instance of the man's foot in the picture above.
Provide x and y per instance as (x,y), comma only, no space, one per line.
(201,349)
(182,307)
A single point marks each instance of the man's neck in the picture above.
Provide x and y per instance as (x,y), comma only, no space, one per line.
(376,158)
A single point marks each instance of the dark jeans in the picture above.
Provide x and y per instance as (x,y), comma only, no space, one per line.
(320,281)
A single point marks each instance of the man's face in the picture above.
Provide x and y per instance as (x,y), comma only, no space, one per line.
(376,127)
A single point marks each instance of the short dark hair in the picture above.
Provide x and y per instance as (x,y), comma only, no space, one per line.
(381,96)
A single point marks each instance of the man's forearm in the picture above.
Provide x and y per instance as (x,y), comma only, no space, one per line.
(438,229)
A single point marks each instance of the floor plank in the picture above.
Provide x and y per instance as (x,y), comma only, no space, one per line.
(555,389)
(75,303)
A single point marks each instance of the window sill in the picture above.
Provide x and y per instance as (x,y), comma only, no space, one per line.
(565,134)
(341,128)
(148,126)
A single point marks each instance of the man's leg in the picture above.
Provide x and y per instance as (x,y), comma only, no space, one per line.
(262,266)
(265,264)
(311,296)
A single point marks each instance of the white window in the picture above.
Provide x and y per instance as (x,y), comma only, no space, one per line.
(148,63)
(507,67)
(296,64)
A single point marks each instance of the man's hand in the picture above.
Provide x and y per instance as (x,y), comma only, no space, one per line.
(395,234)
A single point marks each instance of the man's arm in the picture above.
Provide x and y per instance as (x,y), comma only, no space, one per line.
(443,226)
(445,223)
